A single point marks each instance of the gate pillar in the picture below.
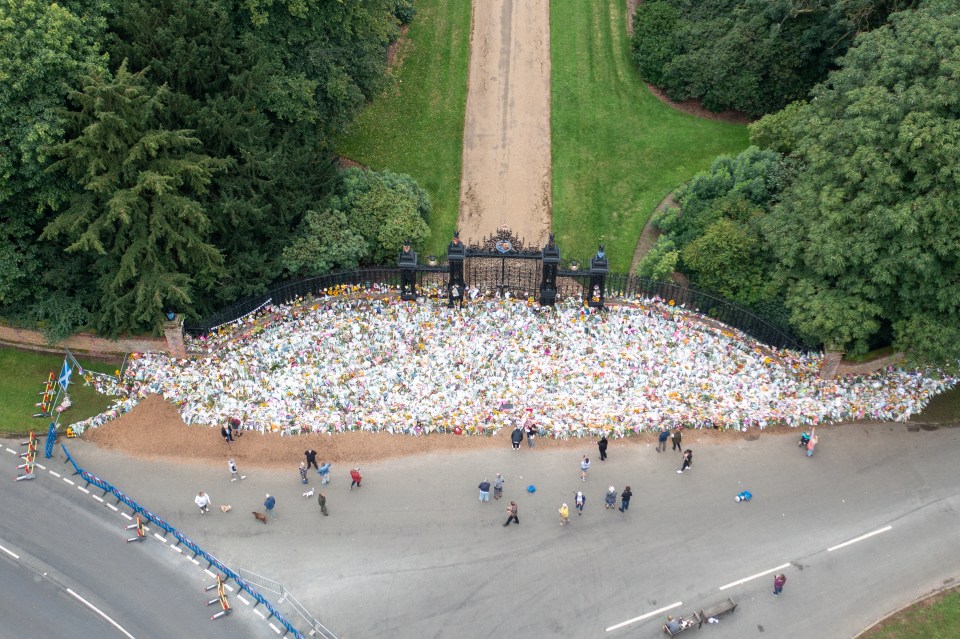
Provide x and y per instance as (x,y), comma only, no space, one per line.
(456,253)
(598,279)
(408,273)
(550,256)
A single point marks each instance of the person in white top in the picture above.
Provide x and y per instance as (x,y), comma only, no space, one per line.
(203,502)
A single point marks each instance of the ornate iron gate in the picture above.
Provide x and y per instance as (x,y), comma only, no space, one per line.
(503,264)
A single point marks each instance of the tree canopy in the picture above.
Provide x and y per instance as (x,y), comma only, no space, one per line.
(866,237)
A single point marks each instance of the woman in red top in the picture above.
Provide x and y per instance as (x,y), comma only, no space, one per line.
(356,477)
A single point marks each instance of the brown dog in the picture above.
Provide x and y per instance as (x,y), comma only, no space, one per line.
(260,516)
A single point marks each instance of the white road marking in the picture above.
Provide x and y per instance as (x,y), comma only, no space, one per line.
(100,612)
(642,617)
(9,552)
(177,548)
(68,481)
(10,450)
(98,498)
(259,613)
(207,570)
(112,507)
(160,537)
(275,629)
(228,587)
(240,597)
(55,473)
(751,577)
(83,489)
(41,467)
(126,516)
(860,538)
(195,562)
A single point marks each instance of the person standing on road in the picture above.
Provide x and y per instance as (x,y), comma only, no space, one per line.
(269,504)
(625,499)
(584,467)
(611,498)
(578,503)
(564,514)
(356,477)
(203,502)
(322,501)
(512,514)
(516,437)
(813,441)
(662,439)
(677,436)
(484,490)
(778,582)
(602,445)
(311,456)
(687,460)
(303,473)
(234,473)
(498,486)
(324,472)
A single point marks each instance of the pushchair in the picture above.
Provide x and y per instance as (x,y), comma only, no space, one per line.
(804,440)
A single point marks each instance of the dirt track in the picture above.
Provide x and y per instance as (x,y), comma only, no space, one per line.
(506,142)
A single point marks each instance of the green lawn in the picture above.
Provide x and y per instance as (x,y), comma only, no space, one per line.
(617,150)
(935,618)
(416,126)
(24,374)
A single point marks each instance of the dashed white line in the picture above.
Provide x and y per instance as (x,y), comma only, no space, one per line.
(98,498)
(228,587)
(860,538)
(10,552)
(68,481)
(41,467)
(160,537)
(240,597)
(125,515)
(177,548)
(209,573)
(83,489)
(275,629)
(10,450)
(756,576)
(636,619)
(112,507)
(195,562)
(259,613)
(100,612)
(55,473)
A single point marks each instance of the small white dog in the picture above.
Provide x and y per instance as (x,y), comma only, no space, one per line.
(308,493)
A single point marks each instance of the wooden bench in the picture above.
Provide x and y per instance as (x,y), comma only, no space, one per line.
(722,608)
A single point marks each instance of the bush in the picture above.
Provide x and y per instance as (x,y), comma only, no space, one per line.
(404,10)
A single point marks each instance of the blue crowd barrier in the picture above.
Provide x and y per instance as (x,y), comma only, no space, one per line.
(197,551)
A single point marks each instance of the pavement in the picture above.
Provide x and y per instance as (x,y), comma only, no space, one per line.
(414,554)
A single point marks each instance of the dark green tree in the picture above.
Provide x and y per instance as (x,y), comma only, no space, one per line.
(137,215)
(868,233)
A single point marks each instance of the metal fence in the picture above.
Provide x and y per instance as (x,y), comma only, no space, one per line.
(619,286)
(181,539)
(317,629)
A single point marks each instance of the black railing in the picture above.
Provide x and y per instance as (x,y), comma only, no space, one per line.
(619,286)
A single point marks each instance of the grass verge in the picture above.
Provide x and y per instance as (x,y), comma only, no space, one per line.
(935,618)
(23,376)
(617,150)
(416,125)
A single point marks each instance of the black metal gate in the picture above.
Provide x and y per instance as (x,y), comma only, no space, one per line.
(503,264)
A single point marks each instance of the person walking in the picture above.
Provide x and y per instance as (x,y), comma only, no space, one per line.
(324,472)
(498,486)
(564,514)
(512,514)
(579,502)
(610,501)
(203,502)
(625,499)
(484,490)
(662,439)
(516,437)
(584,467)
(234,473)
(687,460)
(602,445)
(303,473)
(813,441)
(311,456)
(322,501)
(269,503)
(677,436)
(778,582)
(356,477)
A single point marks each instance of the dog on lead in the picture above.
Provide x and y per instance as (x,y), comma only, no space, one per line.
(259,516)
(308,493)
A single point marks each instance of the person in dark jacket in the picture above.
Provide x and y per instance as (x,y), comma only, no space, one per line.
(687,460)
(662,439)
(269,504)
(311,456)
(516,437)
(602,445)
(484,490)
(677,436)
(512,514)
(322,501)
(625,499)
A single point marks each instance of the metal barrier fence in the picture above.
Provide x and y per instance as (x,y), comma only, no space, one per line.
(619,286)
(265,583)
(212,562)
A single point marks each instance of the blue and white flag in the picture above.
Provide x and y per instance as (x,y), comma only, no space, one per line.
(65,374)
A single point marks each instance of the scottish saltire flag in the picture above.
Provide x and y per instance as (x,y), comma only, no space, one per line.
(65,374)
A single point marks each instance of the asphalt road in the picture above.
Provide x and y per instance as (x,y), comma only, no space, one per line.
(414,554)
(60,546)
